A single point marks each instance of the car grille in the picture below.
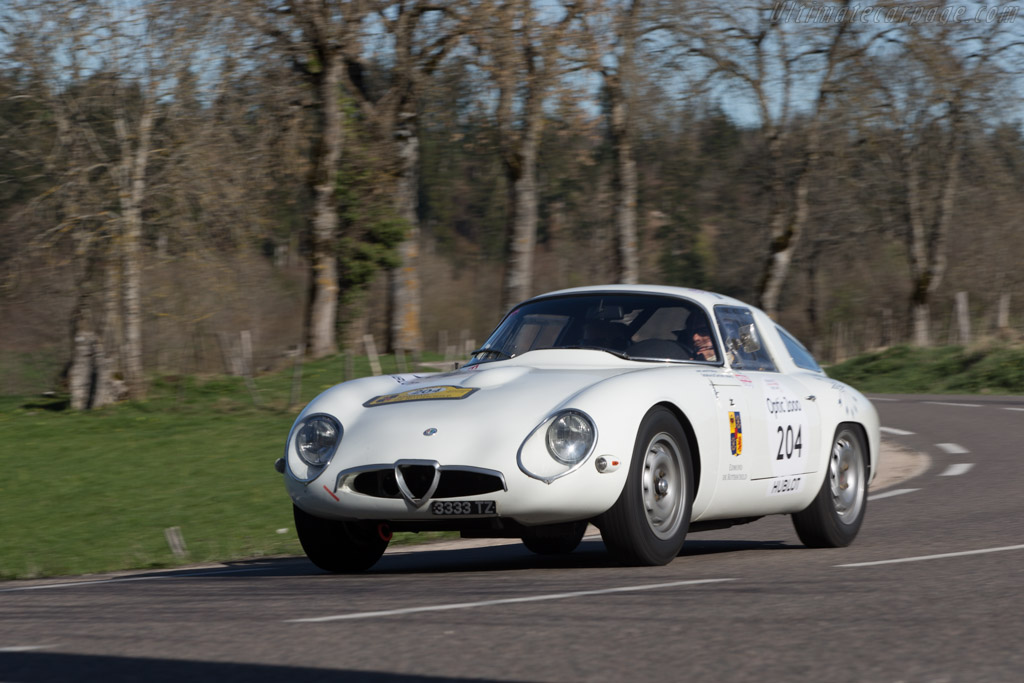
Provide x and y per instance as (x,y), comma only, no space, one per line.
(453,481)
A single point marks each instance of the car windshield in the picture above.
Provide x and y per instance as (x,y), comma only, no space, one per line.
(634,326)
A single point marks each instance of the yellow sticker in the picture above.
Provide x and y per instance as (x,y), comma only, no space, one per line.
(442,393)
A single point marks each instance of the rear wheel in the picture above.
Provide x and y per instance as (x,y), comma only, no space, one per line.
(338,546)
(648,523)
(555,539)
(833,519)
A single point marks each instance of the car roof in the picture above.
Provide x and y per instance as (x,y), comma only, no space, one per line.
(705,298)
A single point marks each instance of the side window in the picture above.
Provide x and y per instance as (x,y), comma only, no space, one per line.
(800,355)
(743,346)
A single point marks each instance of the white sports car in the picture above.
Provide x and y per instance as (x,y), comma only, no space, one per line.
(647,411)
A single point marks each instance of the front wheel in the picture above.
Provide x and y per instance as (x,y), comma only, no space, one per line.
(555,539)
(833,519)
(337,546)
(648,523)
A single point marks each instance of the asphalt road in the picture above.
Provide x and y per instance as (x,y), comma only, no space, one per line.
(930,591)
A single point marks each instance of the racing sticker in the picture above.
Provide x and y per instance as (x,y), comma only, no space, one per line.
(735,433)
(787,427)
(783,485)
(442,393)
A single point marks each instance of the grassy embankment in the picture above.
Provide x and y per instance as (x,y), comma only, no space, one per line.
(92,492)
(942,370)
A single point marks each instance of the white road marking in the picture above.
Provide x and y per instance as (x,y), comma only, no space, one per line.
(1020,410)
(952,448)
(503,601)
(935,557)
(957,470)
(884,399)
(24,648)
(894,431)
(955,405)
(890,494)
(126,579)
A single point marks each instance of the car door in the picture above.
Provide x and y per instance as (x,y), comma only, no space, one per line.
(780,427)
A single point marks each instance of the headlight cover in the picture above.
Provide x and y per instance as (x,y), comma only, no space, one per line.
(317,439)
(570,437)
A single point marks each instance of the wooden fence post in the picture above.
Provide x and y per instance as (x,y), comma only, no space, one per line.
(963,319)
(371,352)
(1003,316)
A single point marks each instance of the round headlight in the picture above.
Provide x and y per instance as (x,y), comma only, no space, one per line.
(570,437)
(317,439)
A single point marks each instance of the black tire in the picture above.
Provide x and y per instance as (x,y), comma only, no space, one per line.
(555,539)
(833,519)
(648,523)
(339,547)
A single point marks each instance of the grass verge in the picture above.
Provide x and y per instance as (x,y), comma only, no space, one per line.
(94,492)
(940,370)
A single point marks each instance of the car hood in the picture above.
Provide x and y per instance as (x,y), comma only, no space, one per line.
(477,415)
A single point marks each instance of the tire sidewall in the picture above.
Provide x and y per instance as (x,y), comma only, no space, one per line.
(820,525)
(630,535)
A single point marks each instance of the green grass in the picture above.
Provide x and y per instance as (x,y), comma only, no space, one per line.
(94,492)
(940,370)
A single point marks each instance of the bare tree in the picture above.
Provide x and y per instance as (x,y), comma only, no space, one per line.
(420,33)
(313,35)
(521,49)
(611,33)
(788,71)
(951,73)
(105,67)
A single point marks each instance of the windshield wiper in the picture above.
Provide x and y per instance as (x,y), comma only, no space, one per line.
(501,355)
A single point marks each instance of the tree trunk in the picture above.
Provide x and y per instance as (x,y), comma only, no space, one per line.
(133,190)
(625,179)
(521,171)
(926,241)
(405,280)
(523,235)
(628,271)
(90,373)
(787,229)
(322,304)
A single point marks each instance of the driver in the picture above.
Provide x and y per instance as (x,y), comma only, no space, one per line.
(698,336)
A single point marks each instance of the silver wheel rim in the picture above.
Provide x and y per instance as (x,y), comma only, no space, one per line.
(663,484)
(846,477)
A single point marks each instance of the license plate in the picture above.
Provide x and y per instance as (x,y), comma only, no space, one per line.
(463,507)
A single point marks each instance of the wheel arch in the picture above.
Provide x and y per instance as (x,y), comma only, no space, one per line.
(865,441)
(691,440)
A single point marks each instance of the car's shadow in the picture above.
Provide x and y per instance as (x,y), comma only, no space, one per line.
(591,554)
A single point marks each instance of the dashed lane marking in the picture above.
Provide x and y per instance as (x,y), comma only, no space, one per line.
(890,494)
(942,556)
(955,405)
(503,601)
(894,431)
(957,470)
(952,448)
